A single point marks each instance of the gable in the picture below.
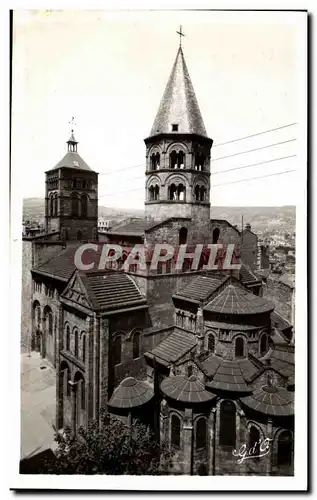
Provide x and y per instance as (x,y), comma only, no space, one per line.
(76,292)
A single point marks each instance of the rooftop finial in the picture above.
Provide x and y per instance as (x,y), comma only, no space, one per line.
(180,33)
(72,124)
(72,143)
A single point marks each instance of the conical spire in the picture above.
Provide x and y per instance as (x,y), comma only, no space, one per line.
(179,111)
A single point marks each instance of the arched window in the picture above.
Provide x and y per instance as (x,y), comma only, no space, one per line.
(201,433)
(50,323)
(239,347)
(82,394)
(83,350)
(199,161)
(215,235)
(172,192)
(67,338)
(211,343)
(84,205)
(197,193)
(151,193)
(227,424)
(79,235)
(136,345)
(181,192)
(254,438)
(76,340)
(182,235)
(68,379)
(189,370)
(51,205)
(48,320)
(263,344)
(156,192)
(181,160)
(203,192)
(175,431)
(284,448)
(173,159)
(75,205)
(117,350)
(55,205)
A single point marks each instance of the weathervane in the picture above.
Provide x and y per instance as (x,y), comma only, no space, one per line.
(180,33)
(72,123)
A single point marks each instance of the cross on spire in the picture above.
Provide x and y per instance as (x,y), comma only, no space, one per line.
(180,33)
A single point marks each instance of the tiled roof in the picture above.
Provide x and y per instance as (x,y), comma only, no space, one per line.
(282,360)
(134,227)
(280,321)
(174,347)
(229,375)
(246,276)
(273,401)
(234,300)
(73,160)
(187,390)
(202,287)
(131,393)
(61,265)
(179,104)
(111,289)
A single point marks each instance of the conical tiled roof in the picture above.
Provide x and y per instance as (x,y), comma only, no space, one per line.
(234,300)
(179,105)
(271,401)
(187,390)
(131,393)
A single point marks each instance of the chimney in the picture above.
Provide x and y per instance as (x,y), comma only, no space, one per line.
(248,226)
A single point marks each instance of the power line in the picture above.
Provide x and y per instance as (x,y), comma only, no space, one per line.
(252,165)
(221,144)
(254,178)
(254,135)
(215,185)
(122,169)
(255,149)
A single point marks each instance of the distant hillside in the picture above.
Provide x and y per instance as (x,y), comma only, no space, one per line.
(260,218)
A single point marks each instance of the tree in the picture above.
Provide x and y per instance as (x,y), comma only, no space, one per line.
(109,448)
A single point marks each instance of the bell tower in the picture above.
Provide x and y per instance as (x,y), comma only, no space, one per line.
(178,152)
(71,197)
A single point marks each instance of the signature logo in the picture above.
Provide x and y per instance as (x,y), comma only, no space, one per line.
(258,450)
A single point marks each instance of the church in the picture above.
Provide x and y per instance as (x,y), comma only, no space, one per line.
(200,356)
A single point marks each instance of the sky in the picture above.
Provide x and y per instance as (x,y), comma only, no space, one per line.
(109,71)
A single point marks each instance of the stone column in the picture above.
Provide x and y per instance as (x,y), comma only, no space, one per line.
(164,417)
(200,330)
(241,438)
(59,341)
(89,369)
(212,442)
(188,442)
(269,456)
(43,337)
(96,350)
(73,386)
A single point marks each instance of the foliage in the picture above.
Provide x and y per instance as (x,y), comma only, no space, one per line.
(109,448)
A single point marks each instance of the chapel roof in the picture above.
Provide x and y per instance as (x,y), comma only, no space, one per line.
(273,401)
(186,390)
(131,393)
(235,300)
(229,375)
(174,347)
